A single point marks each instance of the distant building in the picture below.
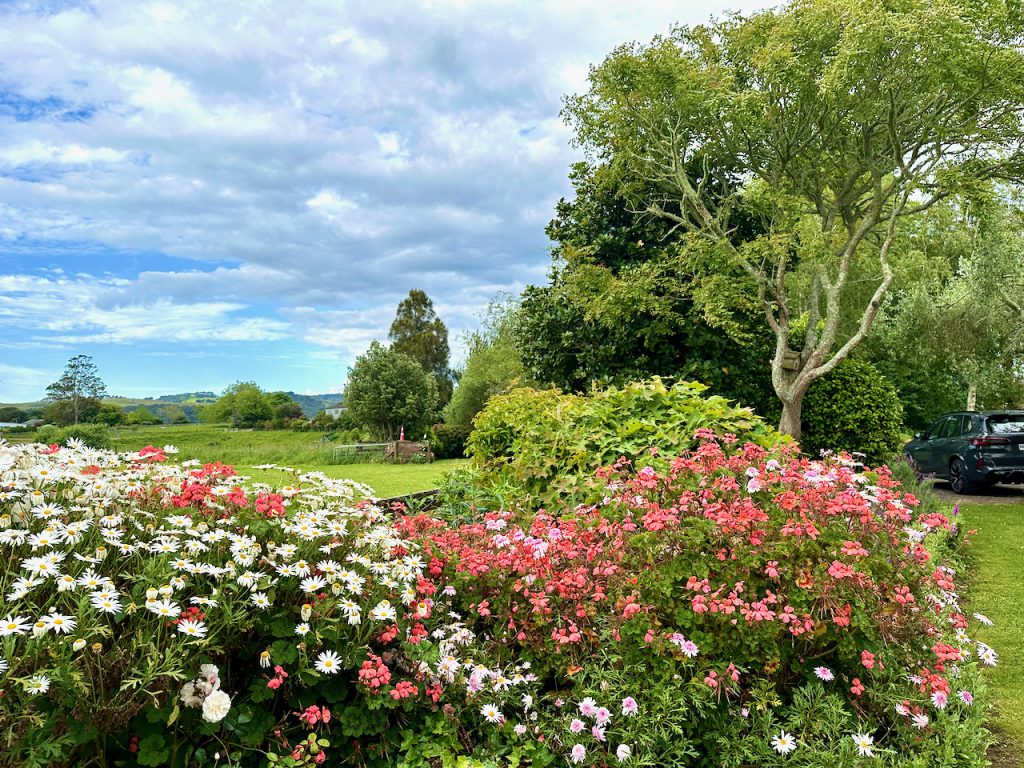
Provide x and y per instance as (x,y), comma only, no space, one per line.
(4,424)
(335,410)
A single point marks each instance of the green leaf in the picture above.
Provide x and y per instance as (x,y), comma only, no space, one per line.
(153,750)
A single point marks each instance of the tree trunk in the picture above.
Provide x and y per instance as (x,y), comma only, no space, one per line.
(789,424)
(972,396)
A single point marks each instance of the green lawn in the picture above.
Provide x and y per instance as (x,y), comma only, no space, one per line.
(302,450)
(997,590)
(385,479)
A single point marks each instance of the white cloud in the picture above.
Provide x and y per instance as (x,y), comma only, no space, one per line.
(318,159)
(84,309)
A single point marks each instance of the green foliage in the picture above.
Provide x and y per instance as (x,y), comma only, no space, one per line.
(418,332)
(93,435)
(493,365)
(13,414)
(64,412)
(619,307)
(853,408)
(142,416)
(79,388)
(803,118)
(388,391)
(243,405)
(109,414)
(448,441)
(550,444)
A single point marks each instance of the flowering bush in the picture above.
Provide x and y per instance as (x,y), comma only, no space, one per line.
(175,611)
(741,606)
(753,604)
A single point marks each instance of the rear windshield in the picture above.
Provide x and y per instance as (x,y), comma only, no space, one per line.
(1000,425)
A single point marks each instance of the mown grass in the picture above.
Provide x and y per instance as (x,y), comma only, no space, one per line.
(997,590)
(306,451)
(385,479)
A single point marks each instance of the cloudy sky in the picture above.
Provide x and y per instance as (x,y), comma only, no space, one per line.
(198,193)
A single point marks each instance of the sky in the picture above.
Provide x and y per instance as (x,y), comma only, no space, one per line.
(198,193)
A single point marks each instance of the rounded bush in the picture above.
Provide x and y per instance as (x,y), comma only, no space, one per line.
(854,408)
(448,441)
(739,601)
(550,444)
(92,435)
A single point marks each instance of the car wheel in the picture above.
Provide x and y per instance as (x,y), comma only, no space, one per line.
(958,479)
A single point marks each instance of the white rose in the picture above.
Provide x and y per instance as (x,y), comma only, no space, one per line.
(211,673)
(189,697)
(216,706)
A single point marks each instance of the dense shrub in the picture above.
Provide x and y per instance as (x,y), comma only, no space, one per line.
(853,408)
(448,441)
(733,598)
(126,578)
(157,614)
(550,444)
(92,435)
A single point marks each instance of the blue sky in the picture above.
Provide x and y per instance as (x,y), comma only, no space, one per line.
(197,193)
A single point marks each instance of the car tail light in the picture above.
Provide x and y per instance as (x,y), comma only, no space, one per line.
(988,441)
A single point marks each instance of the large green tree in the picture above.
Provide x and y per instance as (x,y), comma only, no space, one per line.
(418,332)
(830,122)
(77,393)
(493,365)
(243,405)
(618,308)
(959,333)
(388,391)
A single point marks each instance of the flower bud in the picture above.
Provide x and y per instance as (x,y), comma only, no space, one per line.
(97,647)
(307,611)
(79,644)
(152,594)
(166,590)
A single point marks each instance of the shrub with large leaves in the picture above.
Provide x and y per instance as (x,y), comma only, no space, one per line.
(551,444)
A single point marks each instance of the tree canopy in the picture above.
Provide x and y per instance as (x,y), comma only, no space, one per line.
(418,332)
(77,393)
(387,391)
(829,122)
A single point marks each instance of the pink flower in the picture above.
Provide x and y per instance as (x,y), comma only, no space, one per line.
(577,725)
(939,699)
(966,697)
(602,715)
(578,754)
(824,673)
(588,707)
(630,707)
(597,732)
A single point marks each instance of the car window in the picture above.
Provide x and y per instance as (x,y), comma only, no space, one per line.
(935,429)
(951,427)
(963,427)
(1005,424)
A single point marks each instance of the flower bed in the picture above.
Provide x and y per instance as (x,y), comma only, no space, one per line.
(749,606)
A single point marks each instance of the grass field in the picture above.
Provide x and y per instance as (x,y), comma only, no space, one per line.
(301,450)
(997,590)
(386,479)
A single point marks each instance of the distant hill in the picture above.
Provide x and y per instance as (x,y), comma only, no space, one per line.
(166,406)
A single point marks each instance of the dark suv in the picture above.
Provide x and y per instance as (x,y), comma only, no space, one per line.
(972,450)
